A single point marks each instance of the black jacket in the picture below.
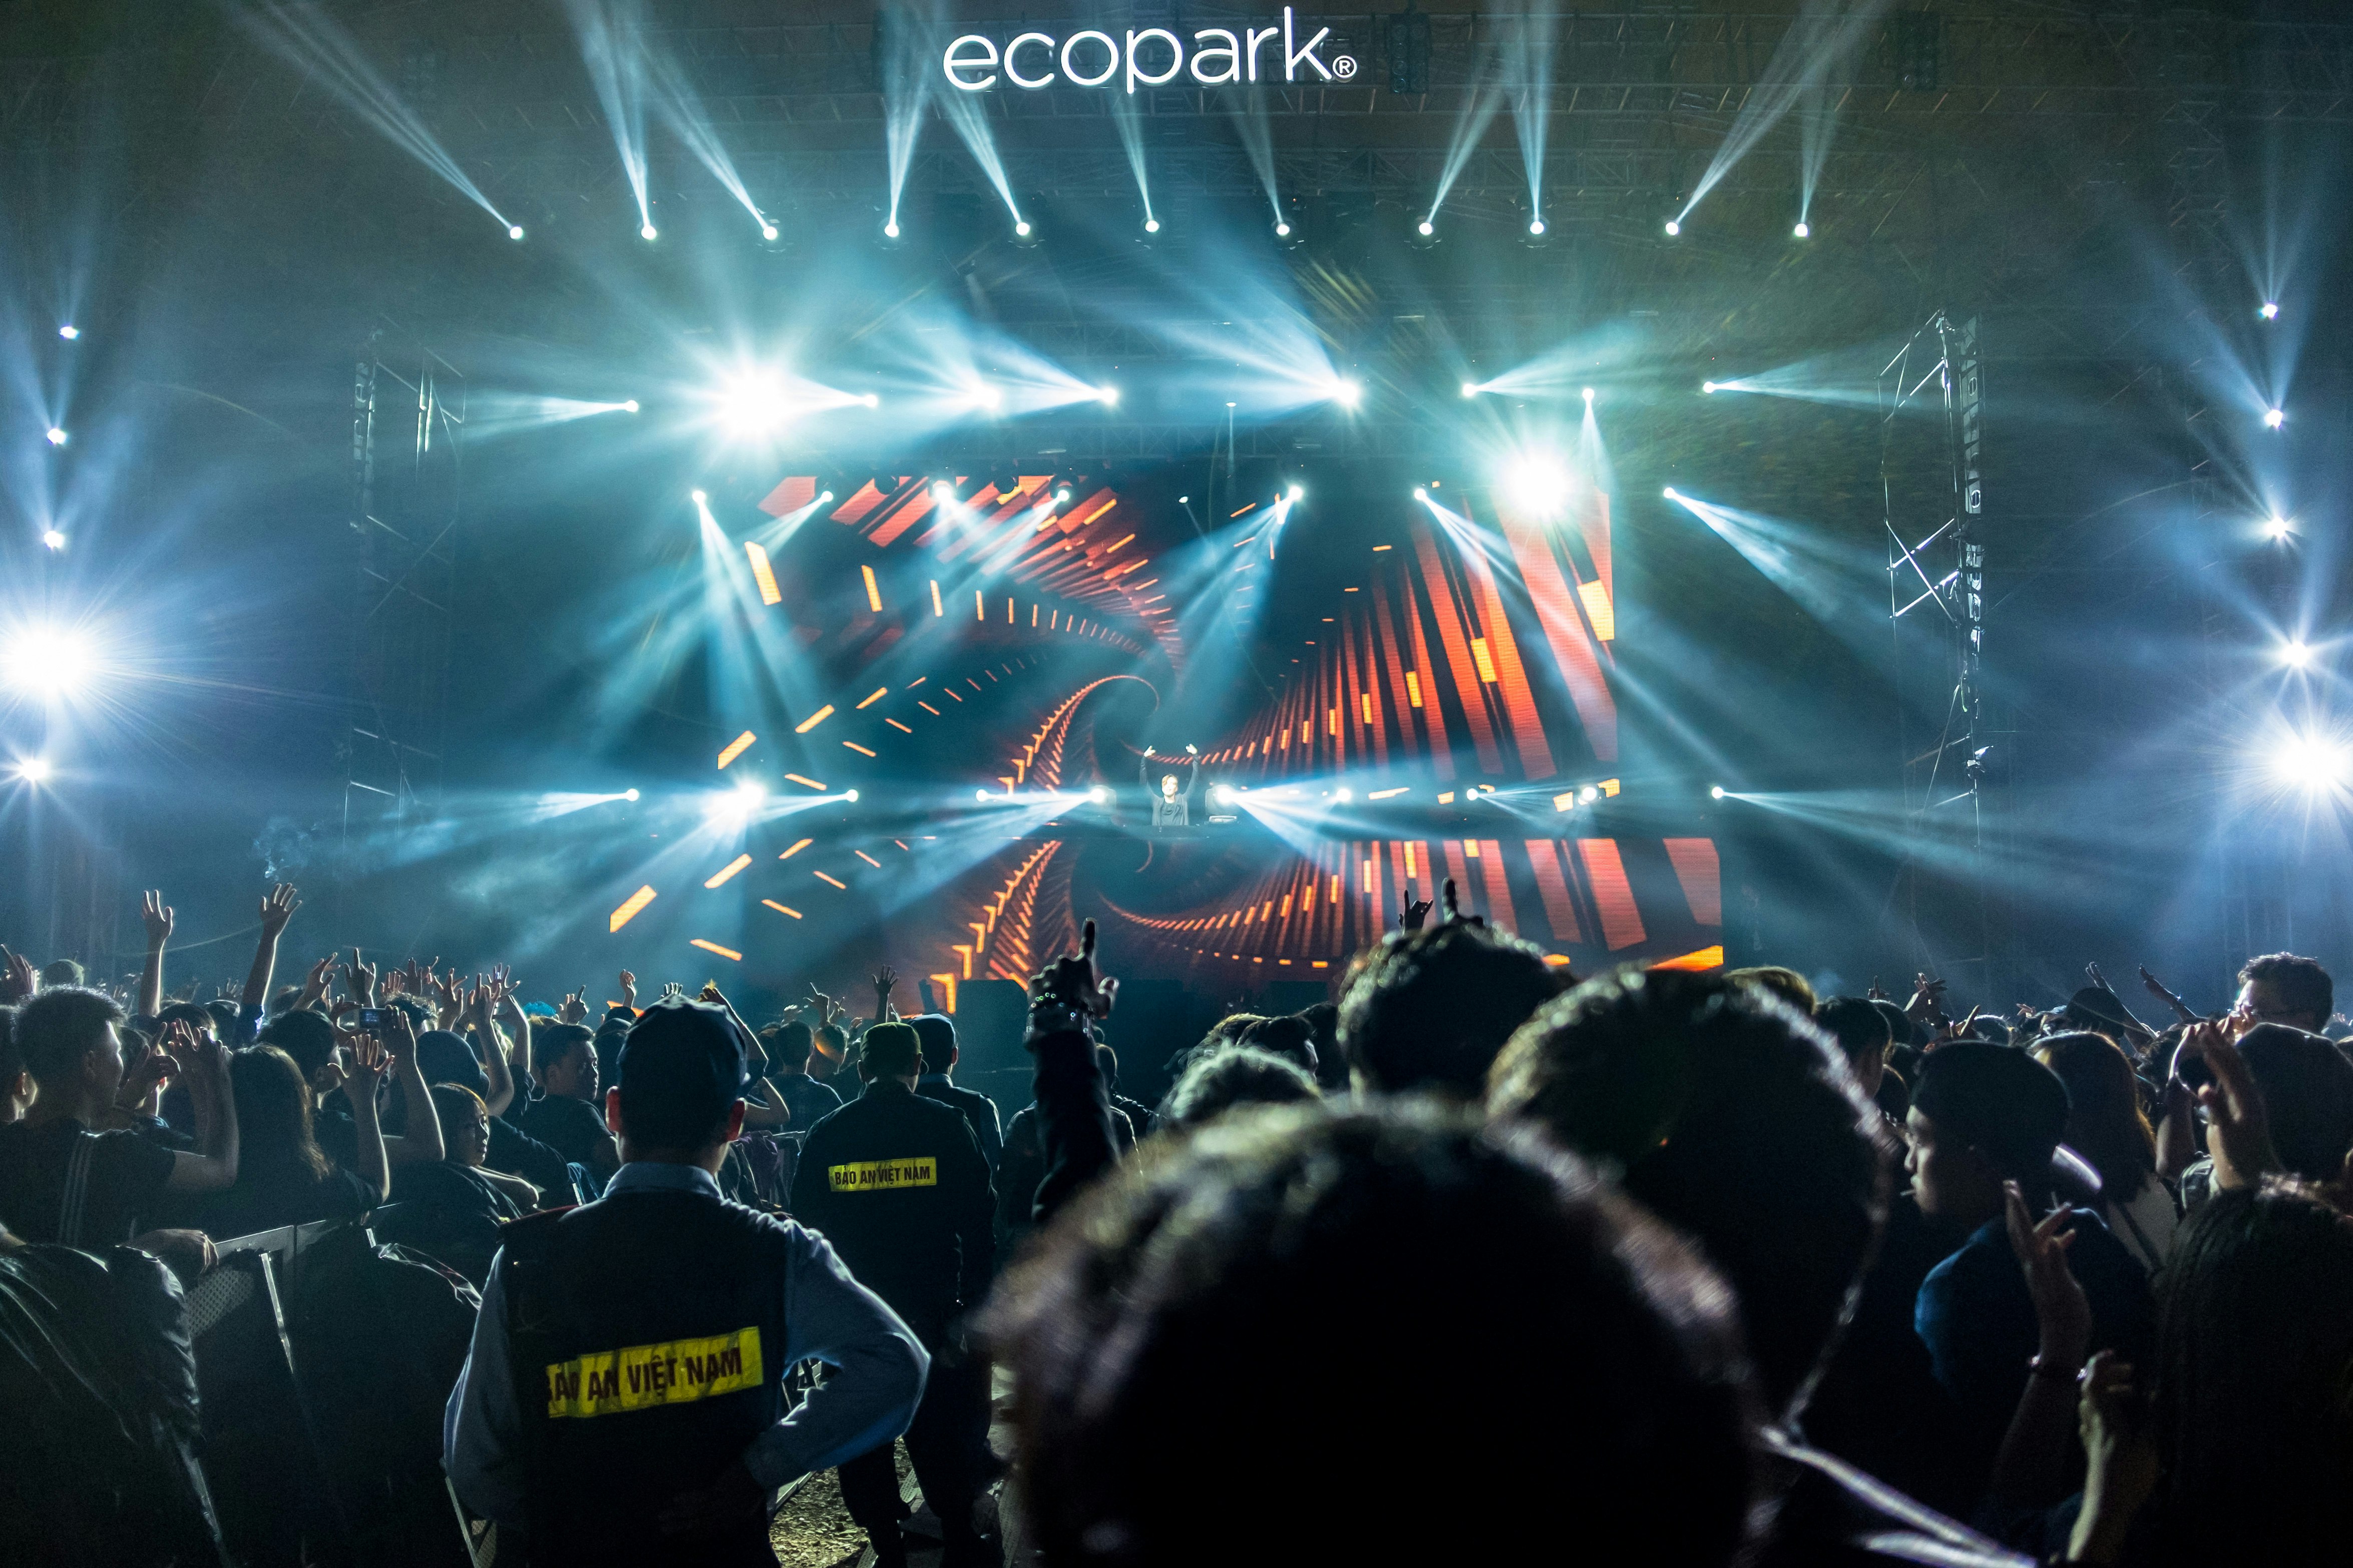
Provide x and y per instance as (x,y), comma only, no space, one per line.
(897,1183)
(979,1112)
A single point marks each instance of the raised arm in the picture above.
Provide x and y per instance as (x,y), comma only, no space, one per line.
(157,917)
(276,910)
(370,1062)
(490,1048)
(422,1143)
(211,1167)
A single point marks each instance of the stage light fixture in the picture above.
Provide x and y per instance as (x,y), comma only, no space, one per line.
(698,497)
(2315,763)
(1425,228)
(53,539)
(1538,482)
(69,331)
(1347,393)
(1588,795)
(629,794)
(48,661)
(1670,493)
(514,231)
(1220,795)
(891,229)
(980,795)
(827,497)
(871,400)
(2278,528)
(1062,496)
(2295,654)
(1100,795)
(1469,389)
(2270,312)
(986,396)
(2274,418)
(850,795)
(1673,228)
(1802,232)
(1152,226)
(943,492)
(1108,397)
(1281,229)
(34,769)
(649,232)
(1588,397)
(1420,494)
(767,230)
(1293,493)
(1715,792)
(1535,226)
(56,436)
(1344,796)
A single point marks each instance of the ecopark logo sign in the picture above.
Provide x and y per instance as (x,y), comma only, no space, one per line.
(1151,57)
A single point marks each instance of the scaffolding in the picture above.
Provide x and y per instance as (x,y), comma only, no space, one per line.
(1931,450)
(408,414)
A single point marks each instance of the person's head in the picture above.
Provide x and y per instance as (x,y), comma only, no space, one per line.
(1429,1009)
(1107,1064)
(1239,1075)
(2281,988)
(1981,1114)
(890,1051)
(786,1046)
(2308,1089)
(1168,784)
(61,972)
(465,1124)
(444,1057)
(1735,1119)
(194,1014)
(1862,1035)
(1324,1027)
(307,1039)
(680,1099)
(828,1051)
(564,1061)
(936,1031)
(1787,983)
(16,1090)
(1899,1022)
(225,1016)
(2097,1010)
(2105,1121)
(66,1040)
(1260,1255)
(273,1113)
(1289,1036)
(2254,1365)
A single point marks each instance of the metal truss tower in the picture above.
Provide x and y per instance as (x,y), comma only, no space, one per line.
(408,414)
(1931,437)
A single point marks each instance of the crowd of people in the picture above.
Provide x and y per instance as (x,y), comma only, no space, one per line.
(1702,1267)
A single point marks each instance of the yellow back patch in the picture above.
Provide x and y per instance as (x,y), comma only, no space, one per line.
(605,1383)
(883,1175)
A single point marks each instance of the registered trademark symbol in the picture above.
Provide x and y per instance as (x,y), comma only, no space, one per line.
(1344,66)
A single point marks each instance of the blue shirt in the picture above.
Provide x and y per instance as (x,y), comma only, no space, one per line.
(829,1317)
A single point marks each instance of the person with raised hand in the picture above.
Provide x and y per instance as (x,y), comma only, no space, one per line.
(156,917)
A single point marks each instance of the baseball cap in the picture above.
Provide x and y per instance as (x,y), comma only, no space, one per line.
(682,1064)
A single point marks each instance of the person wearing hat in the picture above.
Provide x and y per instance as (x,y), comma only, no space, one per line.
(898,1183)
(1985,1124)
(639,1343)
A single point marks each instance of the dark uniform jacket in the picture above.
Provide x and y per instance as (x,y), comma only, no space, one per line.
(659,1323)
(979,1112)
(897,1183)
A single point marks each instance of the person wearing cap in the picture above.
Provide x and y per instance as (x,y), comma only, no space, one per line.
(1983,1117)
(643,1339)
(937,1033)
(898,1183)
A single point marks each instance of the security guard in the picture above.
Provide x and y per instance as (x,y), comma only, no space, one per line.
(623,1400)
(897,1183)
